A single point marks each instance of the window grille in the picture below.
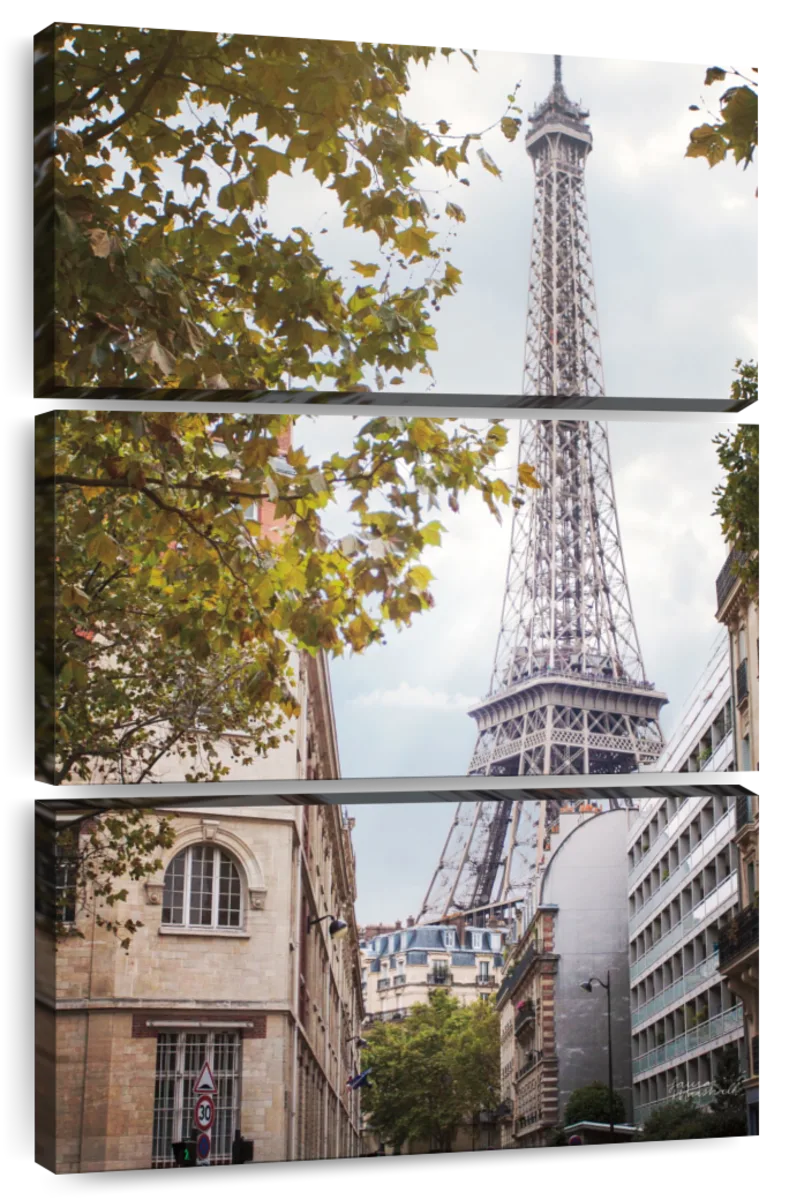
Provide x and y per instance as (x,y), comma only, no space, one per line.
(179,1060)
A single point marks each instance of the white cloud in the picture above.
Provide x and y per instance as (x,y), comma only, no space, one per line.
(408,696)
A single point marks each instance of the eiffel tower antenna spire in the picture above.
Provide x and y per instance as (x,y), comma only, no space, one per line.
(557,69)
(562,356)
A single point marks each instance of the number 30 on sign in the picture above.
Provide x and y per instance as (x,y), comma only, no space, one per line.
(204,1112)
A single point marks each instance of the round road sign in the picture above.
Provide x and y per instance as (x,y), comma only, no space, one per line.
(204,1112)
(203,1145)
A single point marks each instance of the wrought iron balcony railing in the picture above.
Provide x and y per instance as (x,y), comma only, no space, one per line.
(727,577)
(738,935)
(442,980)
(516,973)
(484,981)
(742,681)
(524,1017)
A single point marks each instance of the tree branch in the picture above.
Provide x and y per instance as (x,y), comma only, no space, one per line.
(102,131)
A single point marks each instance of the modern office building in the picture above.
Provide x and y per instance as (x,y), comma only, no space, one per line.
(739,946)
(682,889)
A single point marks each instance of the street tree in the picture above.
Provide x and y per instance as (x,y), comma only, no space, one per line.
(432,1072)
(737,498)
(178,613)
(167,145)
(677,1119)
(592,1103)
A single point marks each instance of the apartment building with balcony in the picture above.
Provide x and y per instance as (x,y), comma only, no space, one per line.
(682,890)
(554,1035)
(400,967)
(739,613)
(234,963)
(738,947)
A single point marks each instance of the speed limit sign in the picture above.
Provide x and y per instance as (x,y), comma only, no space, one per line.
(204,1112)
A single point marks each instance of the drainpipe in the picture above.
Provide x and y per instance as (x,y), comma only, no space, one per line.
(295,1097)
(88,1017)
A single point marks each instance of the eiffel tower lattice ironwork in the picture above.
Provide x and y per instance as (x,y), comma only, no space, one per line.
(497,848)
(568,692)
(562,356)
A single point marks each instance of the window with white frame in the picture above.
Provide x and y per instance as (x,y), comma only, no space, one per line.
(448,936)
(476,941)
(56,880)
(179,1061)
(202,890)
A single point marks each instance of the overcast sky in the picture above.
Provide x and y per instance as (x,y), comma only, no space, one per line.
(674,250)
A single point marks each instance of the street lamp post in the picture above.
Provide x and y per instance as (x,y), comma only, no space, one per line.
(607,985)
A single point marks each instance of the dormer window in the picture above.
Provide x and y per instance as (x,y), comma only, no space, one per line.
(449,938)
(476,941)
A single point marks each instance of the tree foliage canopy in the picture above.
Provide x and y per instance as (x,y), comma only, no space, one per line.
(167,146)
(178,612)
(737,499)
(433,1071)
(84,864)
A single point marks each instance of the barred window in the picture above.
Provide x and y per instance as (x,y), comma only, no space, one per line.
(56,879)
(202,890)
(179,1061)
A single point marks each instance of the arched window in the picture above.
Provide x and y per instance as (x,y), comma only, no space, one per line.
(202,890)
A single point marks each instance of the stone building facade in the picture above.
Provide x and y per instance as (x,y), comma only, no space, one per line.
(234,965)
(739,612)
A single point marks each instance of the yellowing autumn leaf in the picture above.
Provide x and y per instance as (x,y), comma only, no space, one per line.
(526,475)
(100,242)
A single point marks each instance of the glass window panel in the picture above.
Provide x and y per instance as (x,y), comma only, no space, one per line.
(173,903)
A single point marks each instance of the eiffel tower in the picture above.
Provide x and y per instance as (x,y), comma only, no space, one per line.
(568,693)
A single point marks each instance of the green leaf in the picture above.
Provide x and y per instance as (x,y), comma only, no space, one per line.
(431,533)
